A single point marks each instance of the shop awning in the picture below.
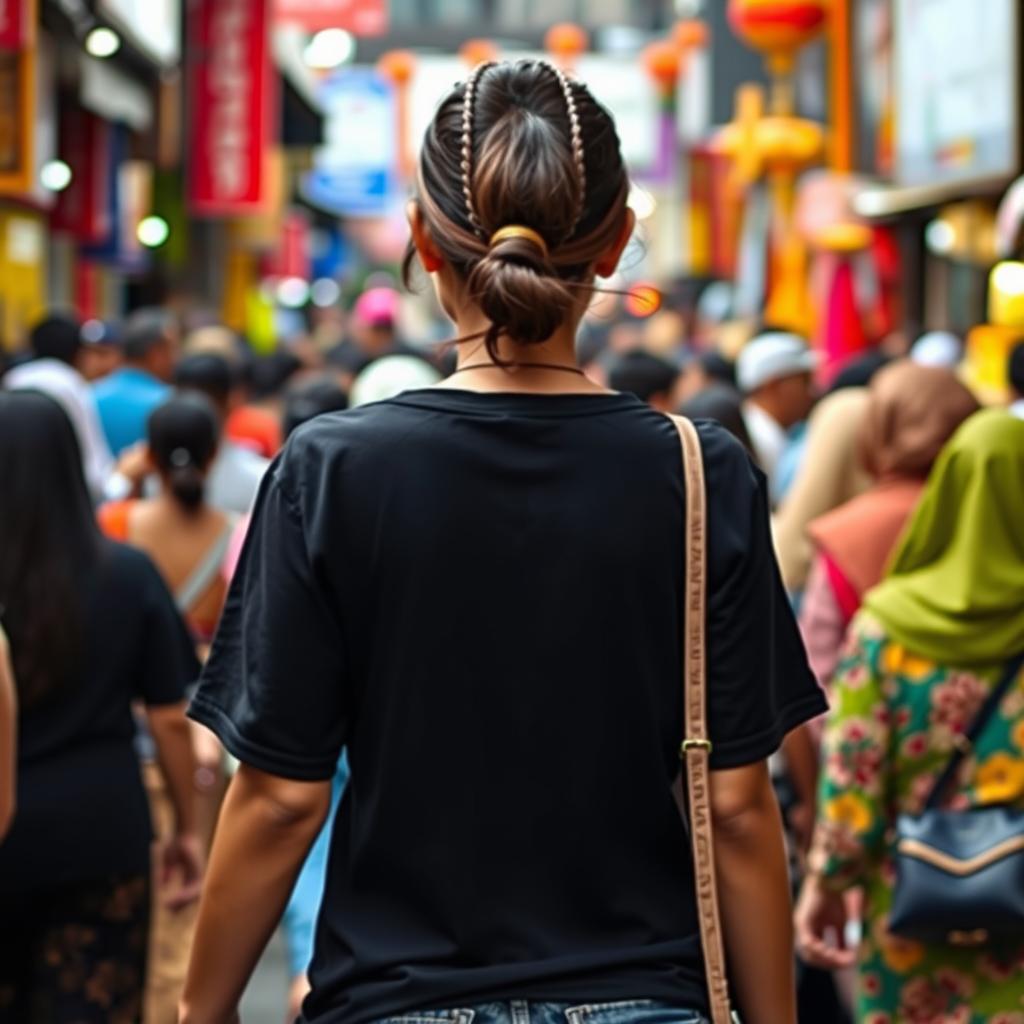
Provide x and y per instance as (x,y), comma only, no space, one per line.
(880,201)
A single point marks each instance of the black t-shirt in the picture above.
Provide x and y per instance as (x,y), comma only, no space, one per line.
(481,596)
(82,810)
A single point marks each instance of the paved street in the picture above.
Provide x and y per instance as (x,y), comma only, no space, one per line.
(265,1000)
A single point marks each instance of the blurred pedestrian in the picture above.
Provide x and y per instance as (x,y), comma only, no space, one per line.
(1015,375)
(101,353)
(127,396)
(312,397)
(236,472)
(373,333)
(830,475)
(921,659)
(649,377)
(775,373)
(92,630)
(56,345)
(941,349)
(492,566)
(704,370)
(188,541)
(390,376)
(664,334)
(8,736)
(179,527)
(724,405)
(912,412)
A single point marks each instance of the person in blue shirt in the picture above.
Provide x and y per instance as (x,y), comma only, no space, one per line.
(127,397)
(299,921)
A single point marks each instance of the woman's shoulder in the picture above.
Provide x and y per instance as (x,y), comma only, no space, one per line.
(114,518)
(126,571)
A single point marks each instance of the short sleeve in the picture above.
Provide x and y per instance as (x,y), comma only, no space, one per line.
(168,662)
(273,688)
(760,686)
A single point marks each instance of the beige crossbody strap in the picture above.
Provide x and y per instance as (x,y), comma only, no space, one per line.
(696,746)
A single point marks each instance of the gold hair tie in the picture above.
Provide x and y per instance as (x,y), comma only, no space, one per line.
(519,231)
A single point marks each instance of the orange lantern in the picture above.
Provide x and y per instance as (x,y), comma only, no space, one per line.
(566,42)
(663,62)
(478,51)
(690,35)
(778,28)
(397,66)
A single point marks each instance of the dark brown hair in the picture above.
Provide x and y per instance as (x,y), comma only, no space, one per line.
(523,167)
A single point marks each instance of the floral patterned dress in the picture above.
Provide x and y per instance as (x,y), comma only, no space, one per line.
(892,730)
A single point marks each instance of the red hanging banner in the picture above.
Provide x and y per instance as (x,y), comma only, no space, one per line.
(232,105)
(83,208)
(360,17)
(12,24)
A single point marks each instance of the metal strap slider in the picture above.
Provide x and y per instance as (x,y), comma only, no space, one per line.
(689,745)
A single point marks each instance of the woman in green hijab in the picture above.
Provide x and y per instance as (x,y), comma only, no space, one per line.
(930,643)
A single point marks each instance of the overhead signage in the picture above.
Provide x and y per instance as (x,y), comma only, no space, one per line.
(957,91)
(19,97)
(354,172)
(232,106)
(14,16)
(360,17)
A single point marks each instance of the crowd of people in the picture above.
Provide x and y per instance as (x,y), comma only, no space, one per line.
(171,437)
(159,512)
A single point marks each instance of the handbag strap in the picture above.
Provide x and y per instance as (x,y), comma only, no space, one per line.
(970,737)
(696,746)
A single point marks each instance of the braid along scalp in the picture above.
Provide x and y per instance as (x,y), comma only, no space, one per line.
(466,165)
(521,146)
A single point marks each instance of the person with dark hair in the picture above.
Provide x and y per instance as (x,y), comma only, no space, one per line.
(101,353)
(373,334)
(724,405)
(235,475)
(647,376)
(127,396)
(54,370)
(487,570)
(92,631)
(255,421)
(188,540)
(310,398)
(184,534)
(1015,374)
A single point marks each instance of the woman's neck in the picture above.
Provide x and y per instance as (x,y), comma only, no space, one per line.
(539,368)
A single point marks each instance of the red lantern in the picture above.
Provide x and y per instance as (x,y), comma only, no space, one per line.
(778,28)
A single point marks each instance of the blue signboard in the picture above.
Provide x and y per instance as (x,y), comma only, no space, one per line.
(354,172)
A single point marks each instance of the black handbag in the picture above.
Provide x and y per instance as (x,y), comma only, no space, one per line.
(960,874)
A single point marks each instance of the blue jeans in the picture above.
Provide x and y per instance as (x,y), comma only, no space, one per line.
(634,1011)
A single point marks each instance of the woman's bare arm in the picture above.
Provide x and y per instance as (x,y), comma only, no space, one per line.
(753,890)
(182,854)
(264,834)
(8,737)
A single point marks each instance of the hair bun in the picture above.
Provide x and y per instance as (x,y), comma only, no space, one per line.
(518,292)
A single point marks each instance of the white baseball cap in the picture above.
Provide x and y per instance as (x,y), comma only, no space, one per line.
(937,348)
(772,356)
